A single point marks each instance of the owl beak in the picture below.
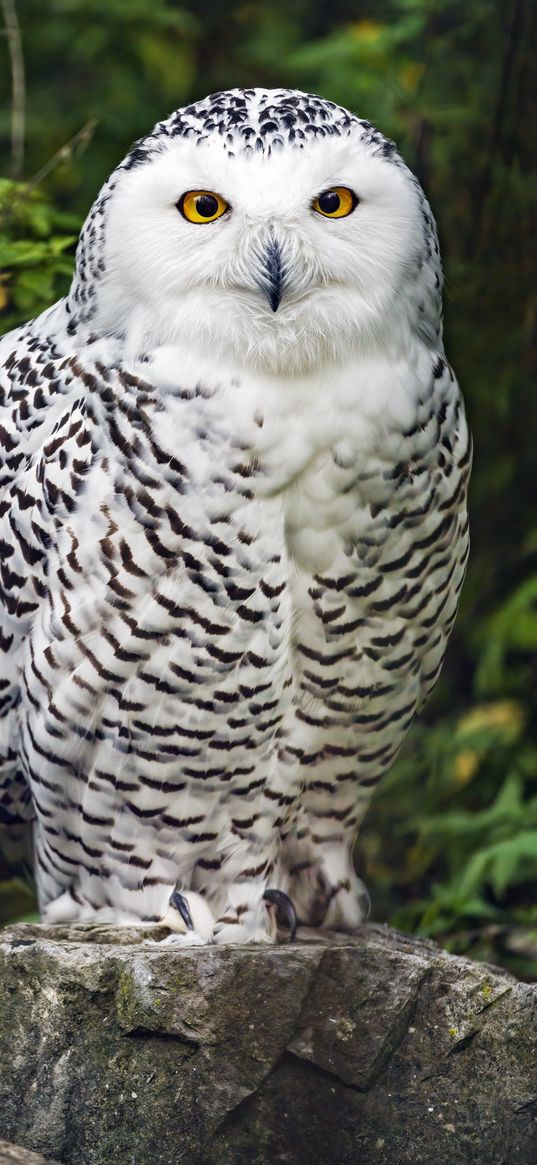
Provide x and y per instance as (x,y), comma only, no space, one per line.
(271,282)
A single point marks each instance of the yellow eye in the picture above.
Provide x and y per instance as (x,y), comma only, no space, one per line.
(202,206)
(335,203)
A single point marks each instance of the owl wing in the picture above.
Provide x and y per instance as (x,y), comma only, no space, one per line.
(19,558)
(38,422)
(371,648)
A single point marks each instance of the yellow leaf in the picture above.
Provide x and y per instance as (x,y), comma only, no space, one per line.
(366,30)
(504,716)
(465,765)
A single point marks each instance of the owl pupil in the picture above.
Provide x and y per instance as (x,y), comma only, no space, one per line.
(206,205)
(329,202)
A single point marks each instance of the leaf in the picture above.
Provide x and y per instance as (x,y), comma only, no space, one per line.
(501,864)
(22,253)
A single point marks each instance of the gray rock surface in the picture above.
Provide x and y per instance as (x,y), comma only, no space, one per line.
(371,1050)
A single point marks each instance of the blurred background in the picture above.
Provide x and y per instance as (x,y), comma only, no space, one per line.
(449,848)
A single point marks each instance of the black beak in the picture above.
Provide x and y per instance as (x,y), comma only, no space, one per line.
(272,267)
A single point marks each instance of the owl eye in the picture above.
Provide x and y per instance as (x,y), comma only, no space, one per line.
(202,206)
(335,203)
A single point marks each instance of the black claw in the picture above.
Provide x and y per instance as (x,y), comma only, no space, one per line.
(285,911)
(182,906)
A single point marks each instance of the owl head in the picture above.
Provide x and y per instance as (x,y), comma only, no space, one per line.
(271,228)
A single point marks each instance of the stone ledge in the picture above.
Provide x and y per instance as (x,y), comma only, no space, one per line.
(14,1155)
(373,1049)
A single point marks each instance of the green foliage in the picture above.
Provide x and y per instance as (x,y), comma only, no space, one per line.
(450,844)
(36,252)
(460,812)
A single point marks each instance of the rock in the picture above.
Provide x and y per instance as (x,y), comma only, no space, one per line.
(14,1155)
(372,1050)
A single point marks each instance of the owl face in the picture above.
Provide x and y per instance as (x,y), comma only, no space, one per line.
(280,259)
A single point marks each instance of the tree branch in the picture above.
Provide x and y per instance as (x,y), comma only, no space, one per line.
(18,88)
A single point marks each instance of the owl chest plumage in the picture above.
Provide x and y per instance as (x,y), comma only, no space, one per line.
(220,568)
(243,601)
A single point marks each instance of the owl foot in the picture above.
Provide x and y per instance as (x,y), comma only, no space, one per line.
(189,918)
(285,911)
(348,906)
(191,939)
(251,915)
(181,904)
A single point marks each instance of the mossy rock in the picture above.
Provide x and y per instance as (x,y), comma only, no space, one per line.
(371,1049)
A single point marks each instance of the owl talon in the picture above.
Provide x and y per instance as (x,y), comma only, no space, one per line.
(182,906)
(285,911)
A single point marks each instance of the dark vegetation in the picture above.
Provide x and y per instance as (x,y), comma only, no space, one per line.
(450,846)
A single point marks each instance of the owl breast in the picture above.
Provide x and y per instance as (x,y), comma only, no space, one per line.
(242,604)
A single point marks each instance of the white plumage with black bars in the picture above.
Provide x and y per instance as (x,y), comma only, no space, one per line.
(233,524)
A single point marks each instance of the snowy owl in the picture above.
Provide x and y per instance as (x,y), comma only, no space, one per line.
(233,524)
